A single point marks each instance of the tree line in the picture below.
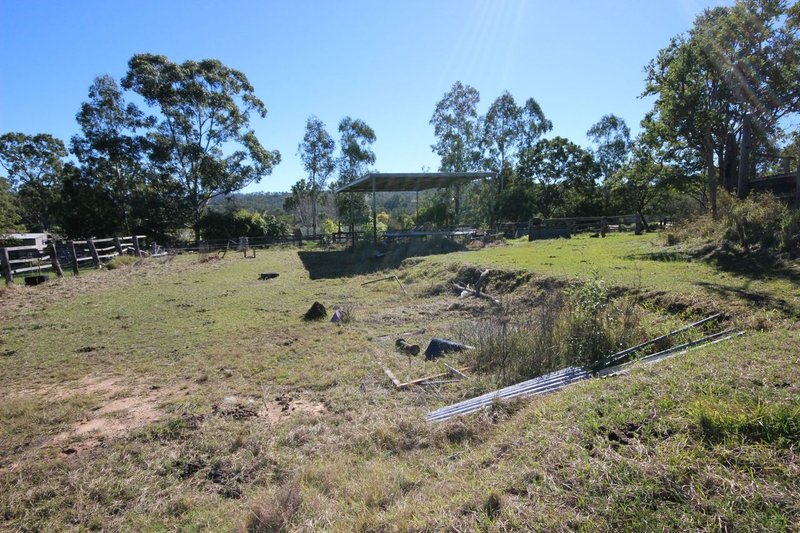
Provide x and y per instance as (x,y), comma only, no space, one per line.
(729,83)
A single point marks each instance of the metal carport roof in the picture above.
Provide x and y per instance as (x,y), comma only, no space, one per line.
(410,181)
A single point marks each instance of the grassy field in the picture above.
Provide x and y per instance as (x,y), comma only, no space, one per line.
(187,394)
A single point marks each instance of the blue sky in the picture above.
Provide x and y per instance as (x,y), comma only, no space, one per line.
(386,62)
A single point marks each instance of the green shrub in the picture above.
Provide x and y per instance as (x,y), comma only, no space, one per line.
(757,221)
(574,327)
(239,223)
(760,222)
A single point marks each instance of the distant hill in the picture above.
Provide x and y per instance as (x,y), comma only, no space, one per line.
(271,202)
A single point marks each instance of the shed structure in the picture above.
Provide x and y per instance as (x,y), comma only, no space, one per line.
(407,182)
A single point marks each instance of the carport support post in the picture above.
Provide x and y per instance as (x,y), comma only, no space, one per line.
(417,204)
(374,215)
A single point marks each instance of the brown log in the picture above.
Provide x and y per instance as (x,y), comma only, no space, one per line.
(412,349)
(476,293)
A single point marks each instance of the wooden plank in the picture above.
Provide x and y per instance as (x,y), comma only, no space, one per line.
(21,248)
(428,378)
(107,239)
(6,266)
(456,371)
(75,266)
(32,269)
(136,249)
(93,251)
(27,260)
(392,377)
(54,260)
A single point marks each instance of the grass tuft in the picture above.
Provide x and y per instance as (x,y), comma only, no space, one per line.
(273,513)
(776,423)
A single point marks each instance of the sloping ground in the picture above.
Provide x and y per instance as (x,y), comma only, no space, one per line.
(189,395)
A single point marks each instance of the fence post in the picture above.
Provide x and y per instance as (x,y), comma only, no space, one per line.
(54,260)
(603,226)
(71,248)
(6,267)
(118,245)
(93,251)
(136,249)
(638,228)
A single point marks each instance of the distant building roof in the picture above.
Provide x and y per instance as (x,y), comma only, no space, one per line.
(414,181)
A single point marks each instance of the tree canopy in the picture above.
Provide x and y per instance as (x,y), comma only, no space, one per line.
(202,137)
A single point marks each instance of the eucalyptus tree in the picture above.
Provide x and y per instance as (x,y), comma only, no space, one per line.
(736,67)
(532,124)
(612,144)
(34,166)
(355,158)
(500,134)
(316,152)
(202,138)
(506,129)
(112,150)
(455,125)
(564,174)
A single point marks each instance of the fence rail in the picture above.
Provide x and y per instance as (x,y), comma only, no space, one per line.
(55,256)
(546,228)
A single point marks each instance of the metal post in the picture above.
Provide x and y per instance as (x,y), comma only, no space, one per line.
(417,204)
(374,215)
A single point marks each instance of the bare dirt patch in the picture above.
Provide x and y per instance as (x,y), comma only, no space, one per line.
(114,418)
(274,409)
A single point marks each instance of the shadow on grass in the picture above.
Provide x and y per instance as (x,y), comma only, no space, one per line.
(660,256)
(754,266)
(328,264)
(758,299)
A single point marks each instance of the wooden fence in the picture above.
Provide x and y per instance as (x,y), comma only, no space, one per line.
(552,227)
(56,255)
